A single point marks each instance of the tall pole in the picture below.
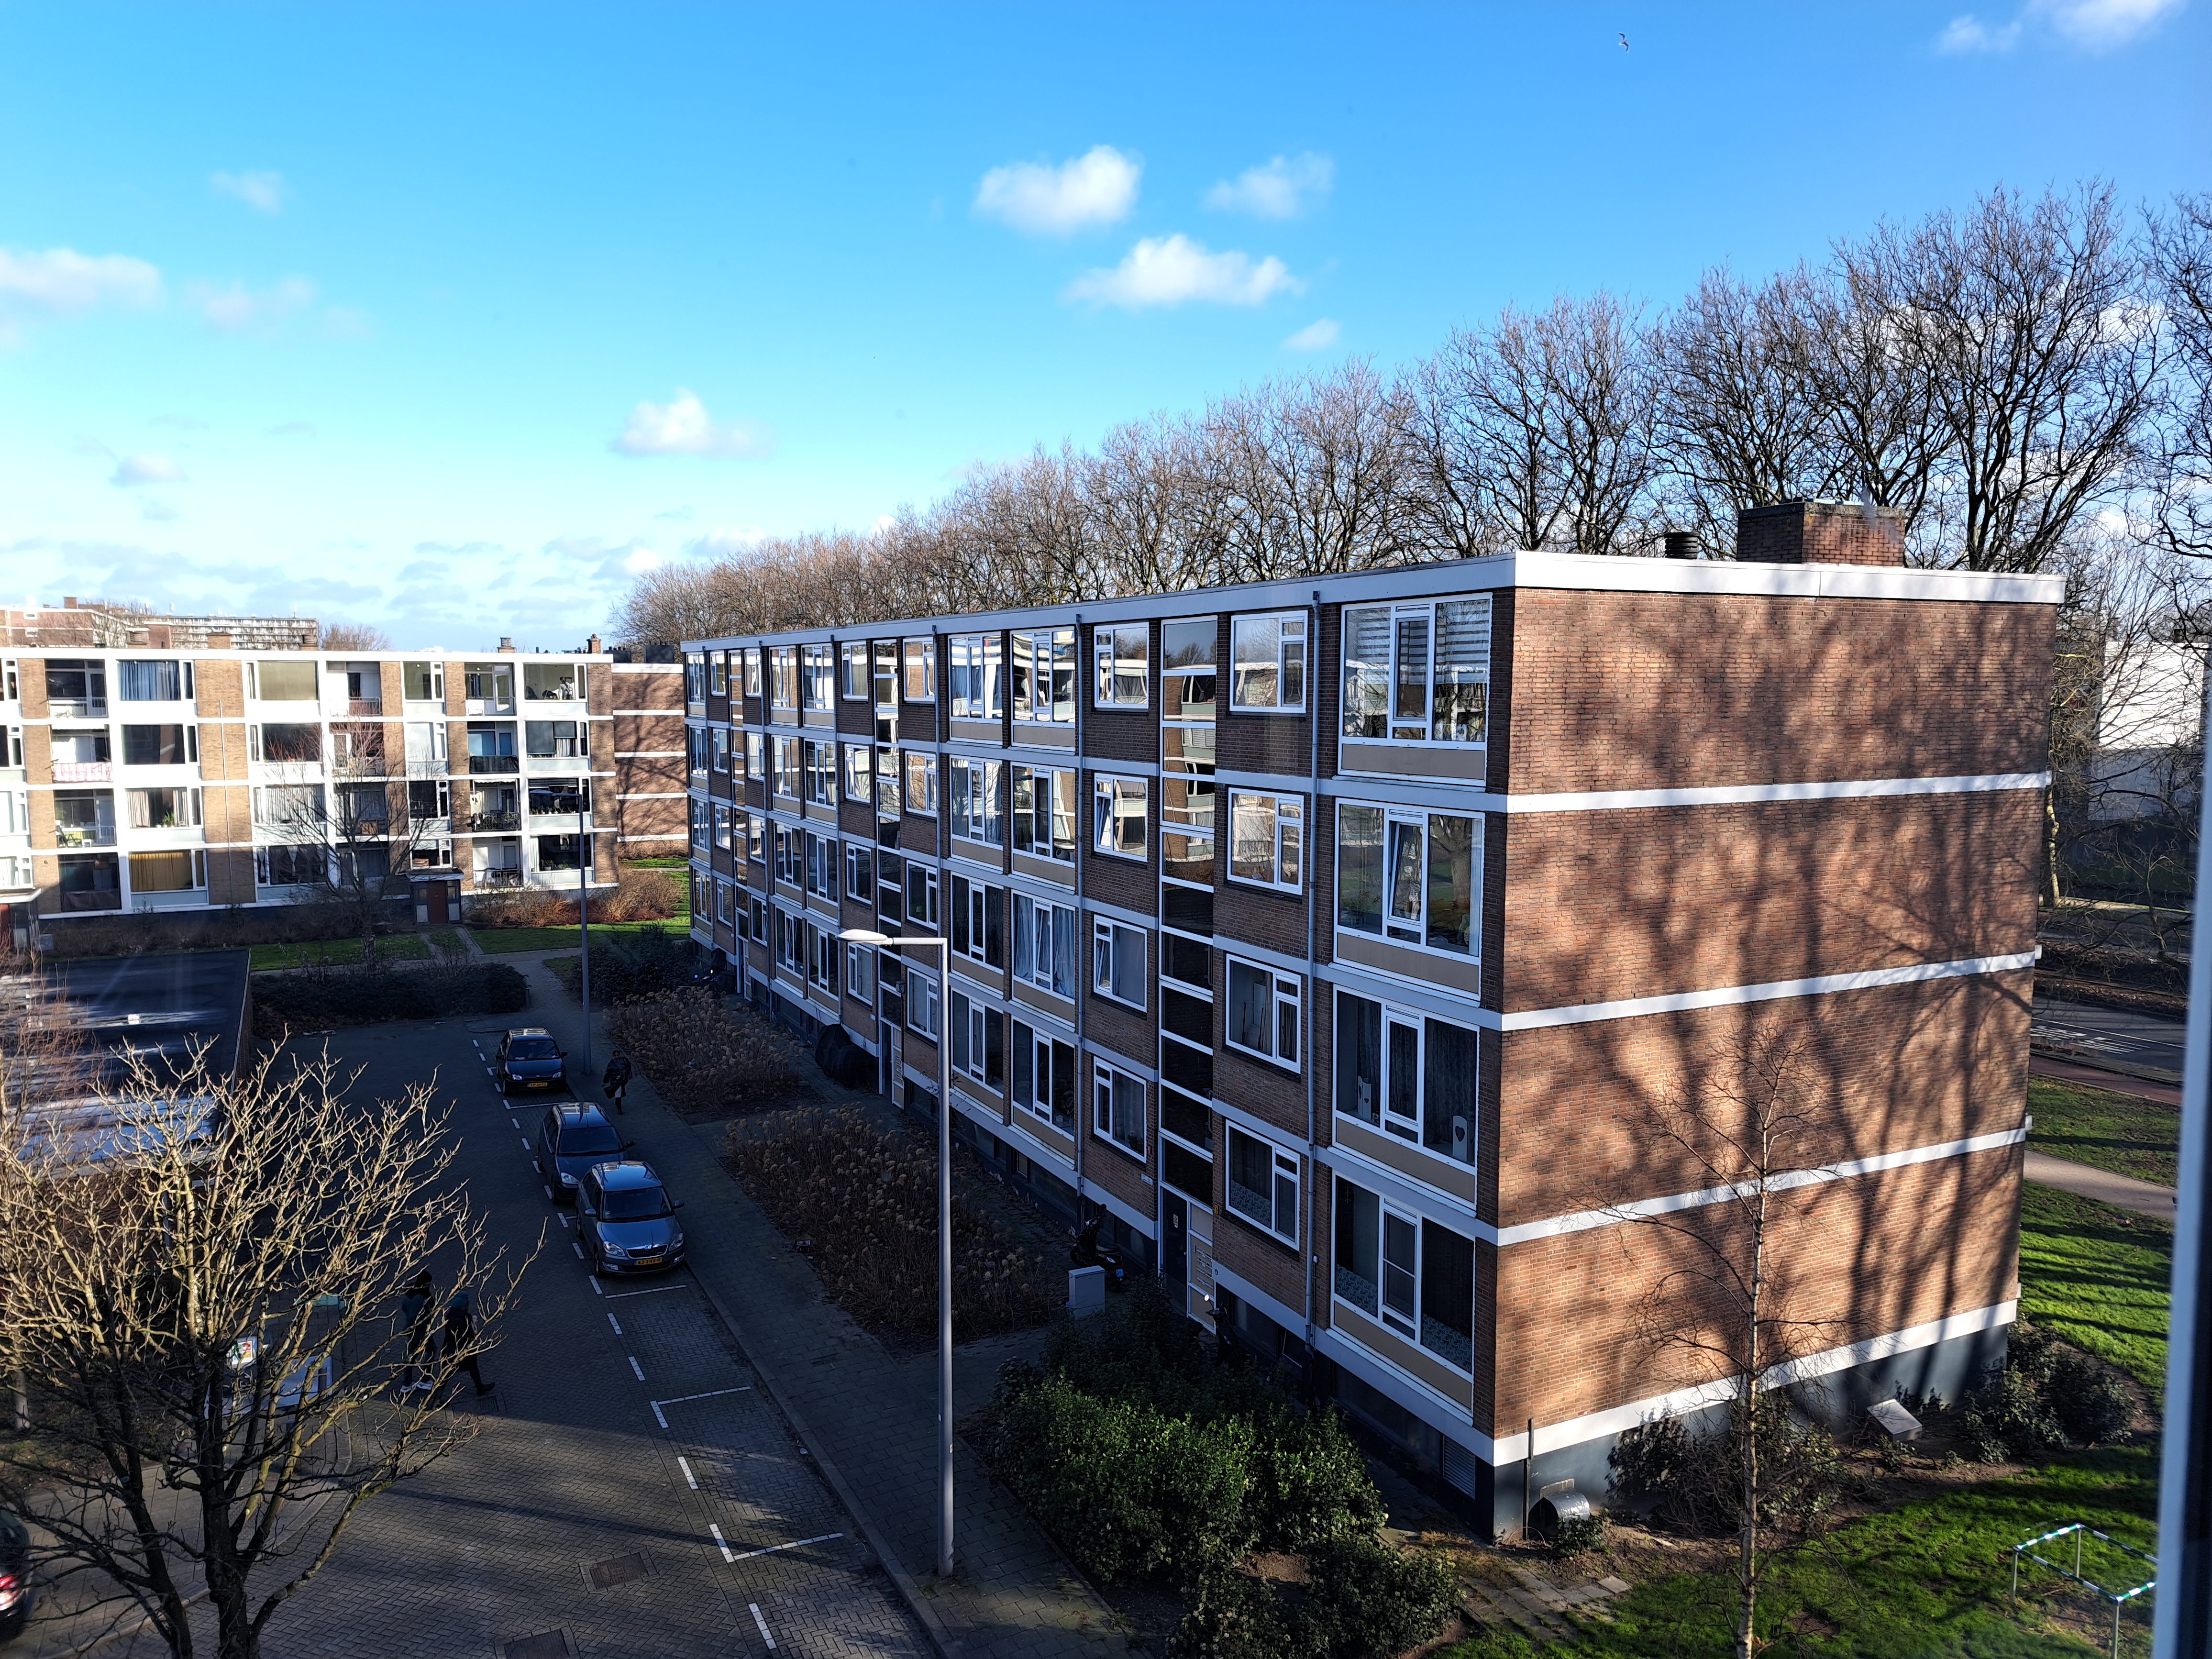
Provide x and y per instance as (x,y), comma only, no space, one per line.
(943,1267)
(584,916)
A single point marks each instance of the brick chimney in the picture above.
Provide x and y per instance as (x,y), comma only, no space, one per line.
(1821,532)
(591,646)
(507,642)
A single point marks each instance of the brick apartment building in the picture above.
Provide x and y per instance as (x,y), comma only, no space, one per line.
(1330,937)
(152,763)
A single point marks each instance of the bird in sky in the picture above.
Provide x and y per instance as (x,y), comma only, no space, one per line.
(1623,42)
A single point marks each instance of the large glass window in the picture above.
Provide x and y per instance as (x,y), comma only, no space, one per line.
(821,763)
(978,803)
(783,678)
(1121,654)
(1263,1012)
(1043,676)
(979,690)
(852,676)
(921,783)
(920,671)
(816,669)
(1118,817)
(163,746)
(1118,1102)
(1409,876)
(1044,1076)
(1414,1274)
(1263,1184)
(1044,946)
(1117,968)
(1044,811)
(278,681)
(1418,673)
(1408,1073)
(155,680)
(978,914)
(860,774)
(1267,662)
(163,809)
(1265,837)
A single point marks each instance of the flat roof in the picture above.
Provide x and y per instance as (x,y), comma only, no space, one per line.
(1579,571)
(161,1006)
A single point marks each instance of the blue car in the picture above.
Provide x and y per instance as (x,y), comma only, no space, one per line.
(628,1220)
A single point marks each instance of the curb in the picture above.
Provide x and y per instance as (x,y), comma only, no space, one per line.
(909,1592)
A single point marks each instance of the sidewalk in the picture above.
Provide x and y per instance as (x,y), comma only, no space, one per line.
(873,1413)
(2123,1192)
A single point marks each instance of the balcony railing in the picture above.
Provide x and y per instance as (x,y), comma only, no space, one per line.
(364,708)
(481,765)
(84,835)
(83,771)
(83,708)
(545,763)
(110,899)
(428,769)
(495,821)
(500,877)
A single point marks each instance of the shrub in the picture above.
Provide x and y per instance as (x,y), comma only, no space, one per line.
(522,906)
(1365,1600)
(639,896)
(704,1055)
(2088,1399)
(2008,1419)
(629,967)
(1579,1534)
(1310,1482)
(1692,1479)
(367,995)
(1231,1615)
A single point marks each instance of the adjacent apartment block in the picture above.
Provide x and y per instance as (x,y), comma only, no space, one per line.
(160,764)
(1334,938)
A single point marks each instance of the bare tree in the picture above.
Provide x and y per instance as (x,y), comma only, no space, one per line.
(355,636)
(1723,1312)
(2181,264)
(358,847)
(201,1299)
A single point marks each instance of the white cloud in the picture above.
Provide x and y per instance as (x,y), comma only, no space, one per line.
(1314,337)
(1283,189)
(61,279)
(641,558)
(1167,271)
(683,427)
(262,191)
(237,309)
(132,470)
(2092,25)
(726,542)
(1095,189)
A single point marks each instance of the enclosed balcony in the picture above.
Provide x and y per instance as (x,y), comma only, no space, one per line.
(90,881)
(491,748)
(558,681)
(76,689)
(559,746)
(84,817)
(82,756)
(488,688)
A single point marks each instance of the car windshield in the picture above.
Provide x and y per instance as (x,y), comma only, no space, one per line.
(532,1048)
(637,1203)
(582,1138)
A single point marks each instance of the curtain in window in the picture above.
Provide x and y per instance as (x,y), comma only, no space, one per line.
(157,681)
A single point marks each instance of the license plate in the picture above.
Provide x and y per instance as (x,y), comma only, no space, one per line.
(647,1261)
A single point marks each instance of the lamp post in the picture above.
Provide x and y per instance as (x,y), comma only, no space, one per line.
(868,936)
(584,919)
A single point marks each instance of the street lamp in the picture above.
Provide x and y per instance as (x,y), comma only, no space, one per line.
(869,936)
(584,919)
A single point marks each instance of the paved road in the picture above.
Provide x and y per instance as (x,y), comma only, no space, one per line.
(2089,1033)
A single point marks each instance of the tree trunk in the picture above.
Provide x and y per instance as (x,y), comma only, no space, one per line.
(2051,847)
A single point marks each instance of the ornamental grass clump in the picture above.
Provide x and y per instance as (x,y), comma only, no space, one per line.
(705,1056)
(861,1205)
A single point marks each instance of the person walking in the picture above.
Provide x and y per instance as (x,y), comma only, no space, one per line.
(460,1338)
(415,1315)
(616,1078)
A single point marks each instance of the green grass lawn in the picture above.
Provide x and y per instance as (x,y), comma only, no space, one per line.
(2125,1133)
(1925,1581)
(335,952)
(2098,1276)
(502,941)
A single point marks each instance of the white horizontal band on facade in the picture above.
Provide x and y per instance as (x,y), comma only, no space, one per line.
(1245,1290)
(1729,995)
(1614,1215)
(1740,794)
(1618,1420)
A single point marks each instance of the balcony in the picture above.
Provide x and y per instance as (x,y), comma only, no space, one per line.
(493,766)
(84,771)
(431,767)
(490,821)
(76,708)
(364,708)
(506,876)
(84,835)
(554,764)
(92,900)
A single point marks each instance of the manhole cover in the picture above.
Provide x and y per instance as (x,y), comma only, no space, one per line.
(551,1645)
(606,1574)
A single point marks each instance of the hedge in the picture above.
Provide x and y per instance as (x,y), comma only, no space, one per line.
(370,996)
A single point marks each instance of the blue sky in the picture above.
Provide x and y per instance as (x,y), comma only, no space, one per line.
(450,318)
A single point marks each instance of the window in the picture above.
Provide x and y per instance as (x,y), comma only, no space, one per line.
(791,855)
(699,821)
(286,682)
(719,668)
(1044,946)
(1408,1074)
(821,760)
(890,885)
(694,679)
(1409,876)
(759,908)
(822,955)
(1187,752)
(1044,1077)
(756,755)
(816,667)
(852,670)
(725,903)
(1044,812)
(785,757)
(1266,833)
(860,774)
(887,782)
(1418,673)
(1414,1274)
(921,1003)
(164,745)
(719,740)
(822,867)
(1118,1106)
(921,783)
(79,686)
(1118,815)
(921,895)
(429,798)
(859,875)
(163,809)
(1187,961)
(1042,678)
(1267,662)
(756,829)
(290,867)
(887,678)
(1121,654)
(721,826)
(1117,962)
(979,1041)
(1263,1184)
(422,682)
(295,744)
(978,804)
(979,920)
(160,680)
(697,747)
(921,659)
(978,692)
(790,942)
(753,670)
(1263,1012)
(860,973)
(783,678)
(569,739)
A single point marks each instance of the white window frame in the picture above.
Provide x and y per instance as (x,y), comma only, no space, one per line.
(1037,919)
(1399,727)
(1109,941)
(852,683)
(783,676)
(859,871)
(1291,626)
(860,973)
(1049,778)
(1406,1327)
(822,862)
(818,760)
(721,826)
(719,742)
(969,783)
(1107,684)
(1039,1043)
(922,878)
(818,685)
(756,755)
(923,995)
(1390,1119)
(974,655)
(920,767)
(753,670)
(1050,650)
(1288,812)
(1106,1084)
(789,759)
(718,673)
(1286,994)
(859,768)
(1413,932)
(1108,792)
(918,659)
(1283,1168)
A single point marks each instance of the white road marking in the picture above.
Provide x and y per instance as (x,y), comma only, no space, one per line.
(577,1248)
(566,1222)
(721,1543)
(617,1323)
(635,1366)
(762,1622)
(596,1290)
(796,1544)
(525,1143)
(516,1122)
(690,1479)
(711,1394)
(655,1291)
